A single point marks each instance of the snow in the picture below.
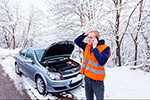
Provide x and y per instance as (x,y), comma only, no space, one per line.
(120,82)
(127,84)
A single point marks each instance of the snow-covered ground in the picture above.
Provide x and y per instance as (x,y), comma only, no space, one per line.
(120,83)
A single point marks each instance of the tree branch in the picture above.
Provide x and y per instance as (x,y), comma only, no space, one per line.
(129,21)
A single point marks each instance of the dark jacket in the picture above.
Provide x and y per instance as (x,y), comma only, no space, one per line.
(101,57)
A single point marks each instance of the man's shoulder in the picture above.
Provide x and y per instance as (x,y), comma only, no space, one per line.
(101,48)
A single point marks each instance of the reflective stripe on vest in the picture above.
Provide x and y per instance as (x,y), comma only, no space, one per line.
(92,63)
(93,70)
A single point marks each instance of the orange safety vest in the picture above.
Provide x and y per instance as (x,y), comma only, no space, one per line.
(90,66)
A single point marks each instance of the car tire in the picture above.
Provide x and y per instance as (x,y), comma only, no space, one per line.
(40,85)
(17,69)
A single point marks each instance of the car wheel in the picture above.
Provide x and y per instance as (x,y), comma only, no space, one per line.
(40,85)
(17,69)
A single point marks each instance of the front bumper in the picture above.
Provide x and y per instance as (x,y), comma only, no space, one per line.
(57,86)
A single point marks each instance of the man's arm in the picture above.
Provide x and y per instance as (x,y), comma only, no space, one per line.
(79,41)
(101,57)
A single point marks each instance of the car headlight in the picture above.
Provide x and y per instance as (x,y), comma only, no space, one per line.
(54,76)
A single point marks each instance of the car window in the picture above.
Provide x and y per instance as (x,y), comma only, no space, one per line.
(39,54)
(23,52)
(29,55)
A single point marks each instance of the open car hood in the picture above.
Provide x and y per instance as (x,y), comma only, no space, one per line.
(62,48)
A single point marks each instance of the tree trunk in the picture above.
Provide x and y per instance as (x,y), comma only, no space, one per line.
(25,42)
(138,29)
(14,42)
(135,58)
(117,41)
(118,12)
(6,39)
(118,54)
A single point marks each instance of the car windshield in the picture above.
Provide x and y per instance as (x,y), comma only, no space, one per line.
(39,54)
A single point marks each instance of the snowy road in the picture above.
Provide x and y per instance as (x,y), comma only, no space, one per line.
(120,82)
(7,88)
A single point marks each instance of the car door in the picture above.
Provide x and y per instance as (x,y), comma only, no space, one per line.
(20,59)
(30,68)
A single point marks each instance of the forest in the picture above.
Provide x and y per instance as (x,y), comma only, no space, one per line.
(123,24)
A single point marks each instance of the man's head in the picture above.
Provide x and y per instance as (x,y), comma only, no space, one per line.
(92,35)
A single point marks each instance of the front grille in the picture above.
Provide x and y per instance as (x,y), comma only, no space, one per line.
(68,77)
(60,88)
(76,83)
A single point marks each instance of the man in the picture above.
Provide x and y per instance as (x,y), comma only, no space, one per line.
(96,54)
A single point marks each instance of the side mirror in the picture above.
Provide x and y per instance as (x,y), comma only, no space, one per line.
(29,61)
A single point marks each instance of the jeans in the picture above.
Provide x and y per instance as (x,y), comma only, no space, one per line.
(94,87)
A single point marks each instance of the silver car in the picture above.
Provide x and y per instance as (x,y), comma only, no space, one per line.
(51,68)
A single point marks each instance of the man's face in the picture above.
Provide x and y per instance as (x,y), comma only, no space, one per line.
(91,37)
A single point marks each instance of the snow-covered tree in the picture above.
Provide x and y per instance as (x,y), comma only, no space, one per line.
(19,27)
(119,22)
(9,21)
(33,23)
(74,16)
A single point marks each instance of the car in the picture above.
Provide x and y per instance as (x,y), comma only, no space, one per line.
(51,68)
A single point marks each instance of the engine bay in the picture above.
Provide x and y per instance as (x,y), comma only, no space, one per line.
(63,65)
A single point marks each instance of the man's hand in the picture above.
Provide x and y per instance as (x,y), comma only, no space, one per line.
(95,43)
(86,34)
